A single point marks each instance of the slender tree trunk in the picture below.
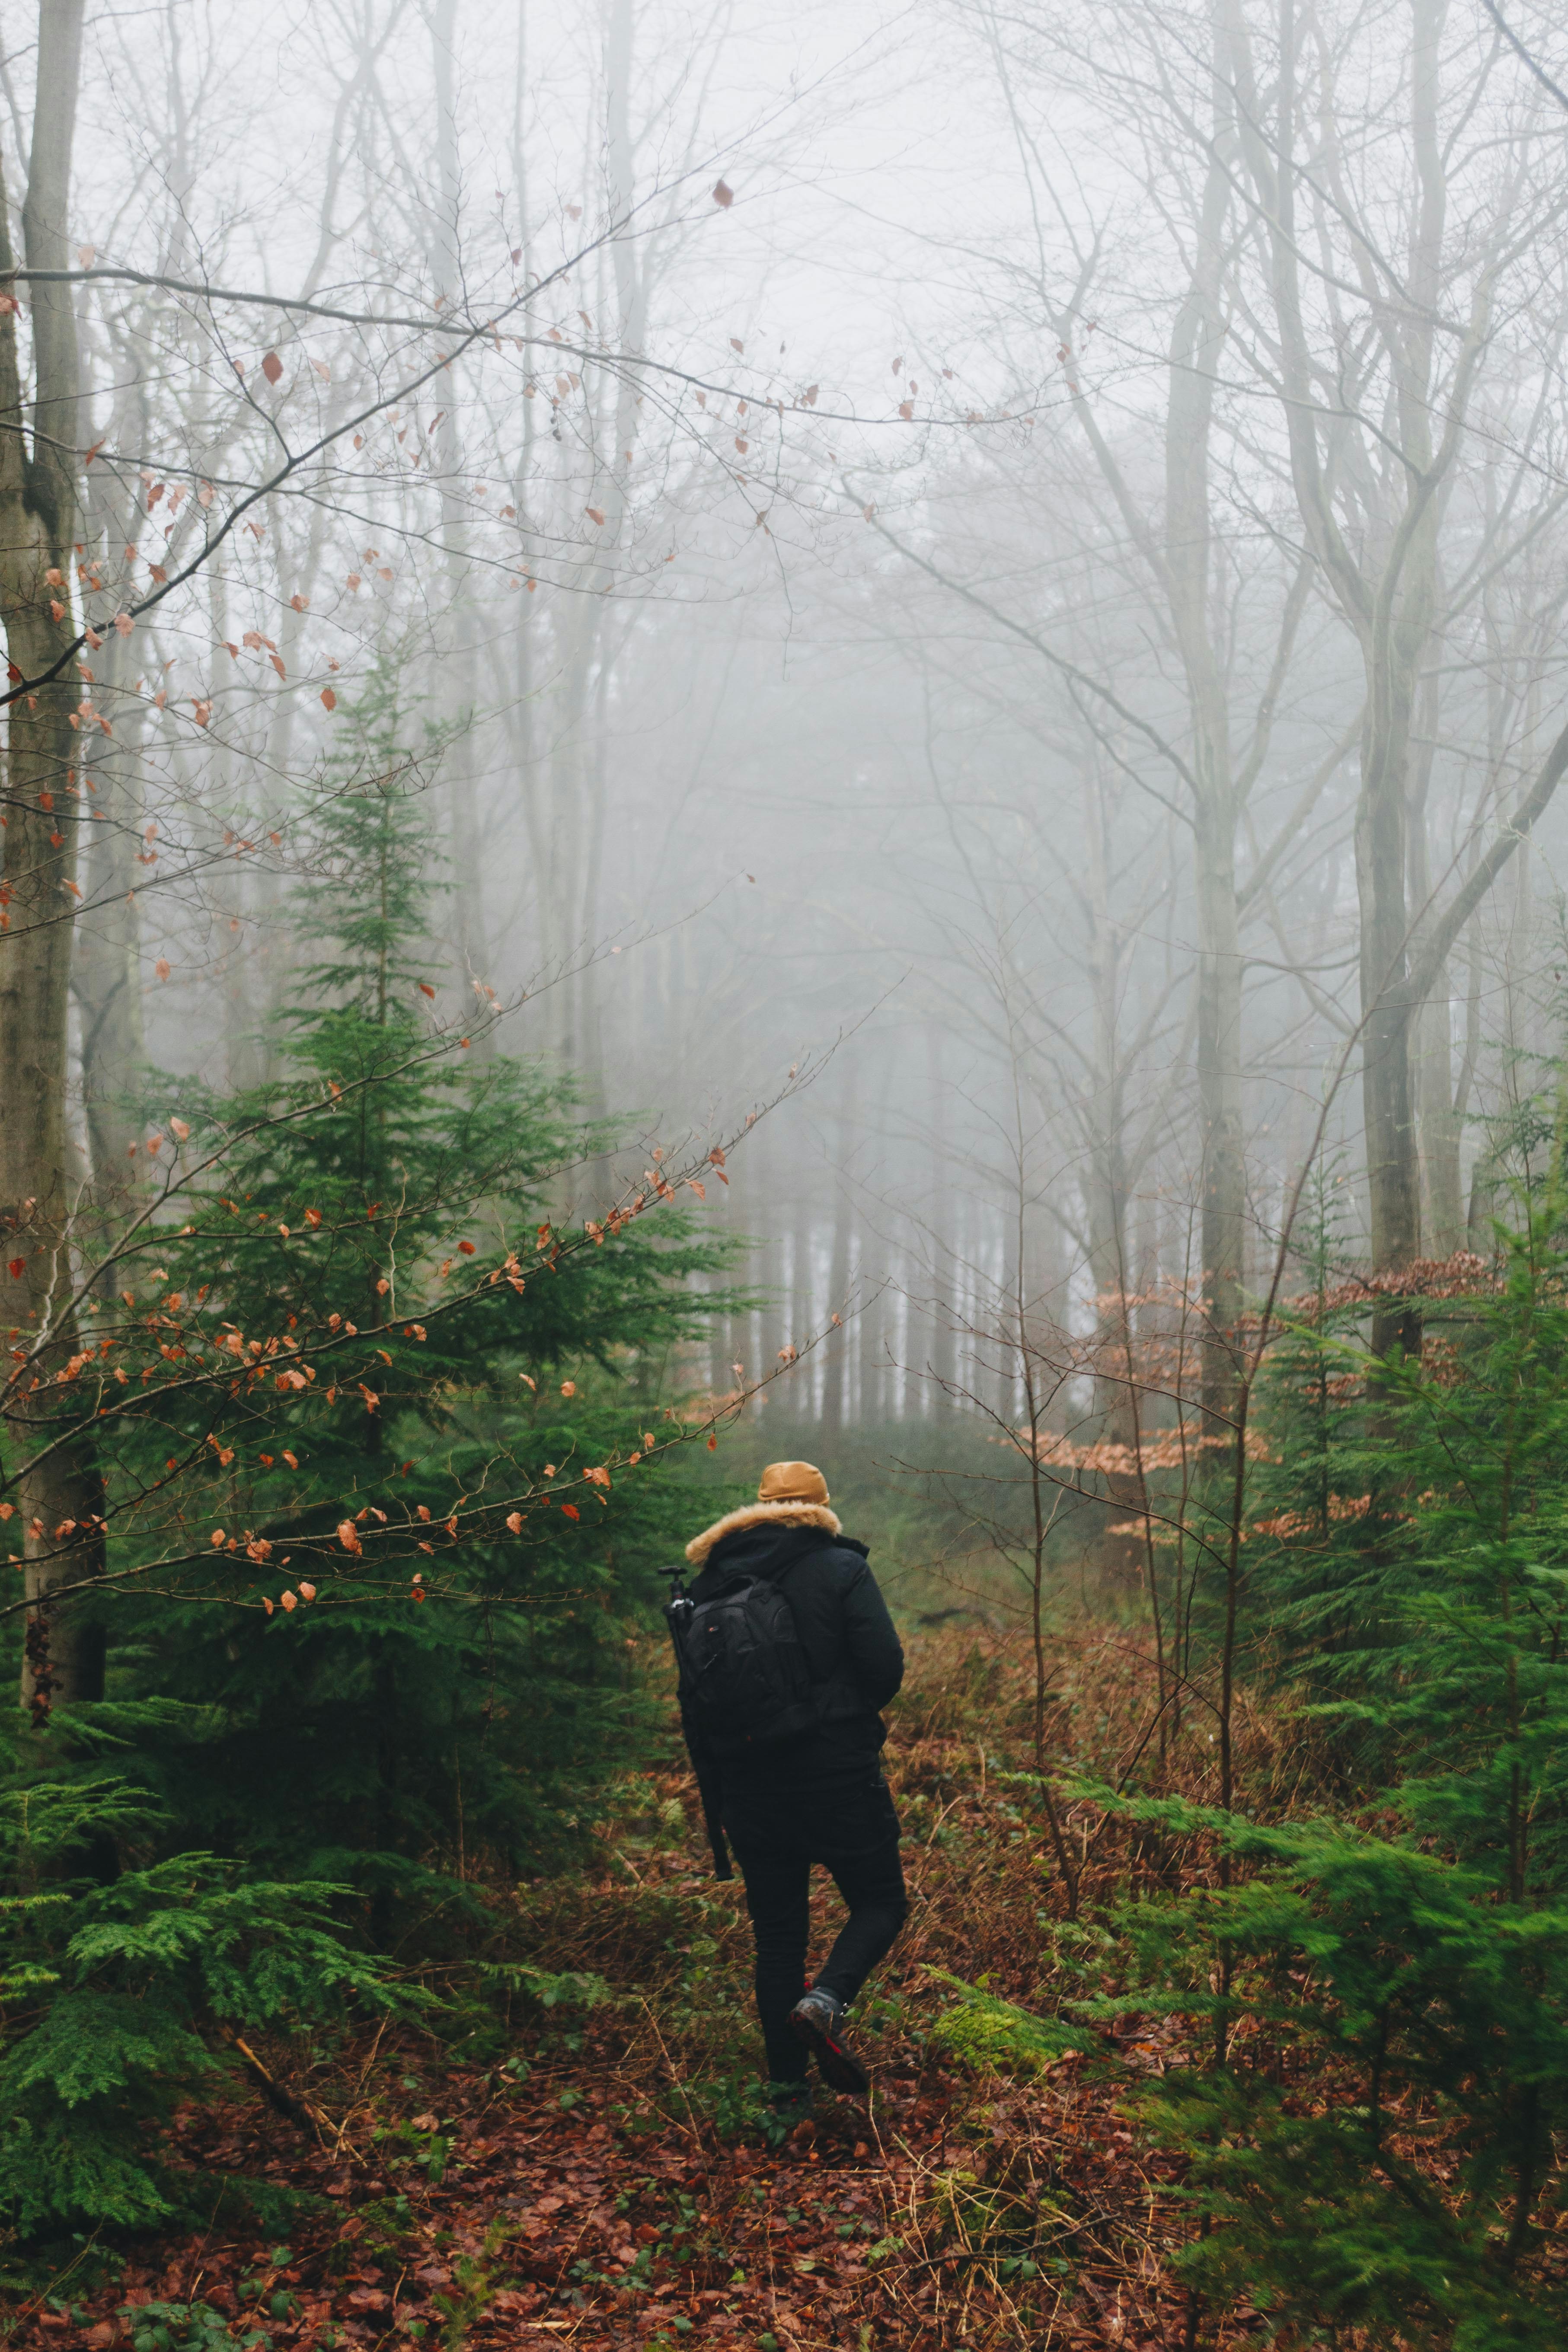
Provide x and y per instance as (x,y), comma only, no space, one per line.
(1388,1104)
(1223,1220)
(837,1403)
(942,1342)
(1441,1128)
(459,668)
(59,1488)
(106,974)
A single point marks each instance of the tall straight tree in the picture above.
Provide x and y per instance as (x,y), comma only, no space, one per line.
(1224,601)
(1391,269)
(60,1493)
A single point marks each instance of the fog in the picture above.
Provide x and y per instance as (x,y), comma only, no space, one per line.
(970,600)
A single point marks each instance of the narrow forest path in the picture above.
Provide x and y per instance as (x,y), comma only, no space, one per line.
(603,2176)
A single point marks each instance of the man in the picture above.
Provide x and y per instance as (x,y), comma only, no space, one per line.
(780,1708)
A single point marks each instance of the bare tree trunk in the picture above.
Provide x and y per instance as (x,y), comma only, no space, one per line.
(1384,571)
(59,1485)
(105,974)
(458,666)
(1224,1218)
(1387,1095)
(942,1340)
(1180,554)
(837,1344)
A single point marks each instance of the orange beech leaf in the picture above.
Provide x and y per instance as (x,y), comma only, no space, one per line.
(425,989)
(161,967)
(312,1216)
(329,699)
(219,1538)
(287,1601)
(466,1248)
(347,1535)
(307,1591)
(271,367)
(571,1511)
(568,1388)
(291,1459)
(514,1521)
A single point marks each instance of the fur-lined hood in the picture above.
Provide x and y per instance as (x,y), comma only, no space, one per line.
(762,1515)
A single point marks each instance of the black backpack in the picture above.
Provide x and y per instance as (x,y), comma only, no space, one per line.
(744,1680)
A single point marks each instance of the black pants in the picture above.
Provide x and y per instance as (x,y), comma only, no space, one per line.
(778,1830)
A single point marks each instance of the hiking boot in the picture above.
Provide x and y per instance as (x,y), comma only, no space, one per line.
(815,2020)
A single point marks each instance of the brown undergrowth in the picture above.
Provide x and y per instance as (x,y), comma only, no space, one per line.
(582,2157)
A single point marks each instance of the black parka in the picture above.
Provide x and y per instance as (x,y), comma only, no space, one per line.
(851,1648)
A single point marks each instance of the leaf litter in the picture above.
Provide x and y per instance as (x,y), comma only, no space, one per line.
(607,2174)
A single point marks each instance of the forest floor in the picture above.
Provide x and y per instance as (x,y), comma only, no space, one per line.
(598,2169)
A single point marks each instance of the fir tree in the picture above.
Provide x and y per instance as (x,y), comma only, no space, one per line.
(383,1512)
(1392,1987)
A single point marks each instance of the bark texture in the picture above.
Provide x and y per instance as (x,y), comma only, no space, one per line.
(58,1486)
